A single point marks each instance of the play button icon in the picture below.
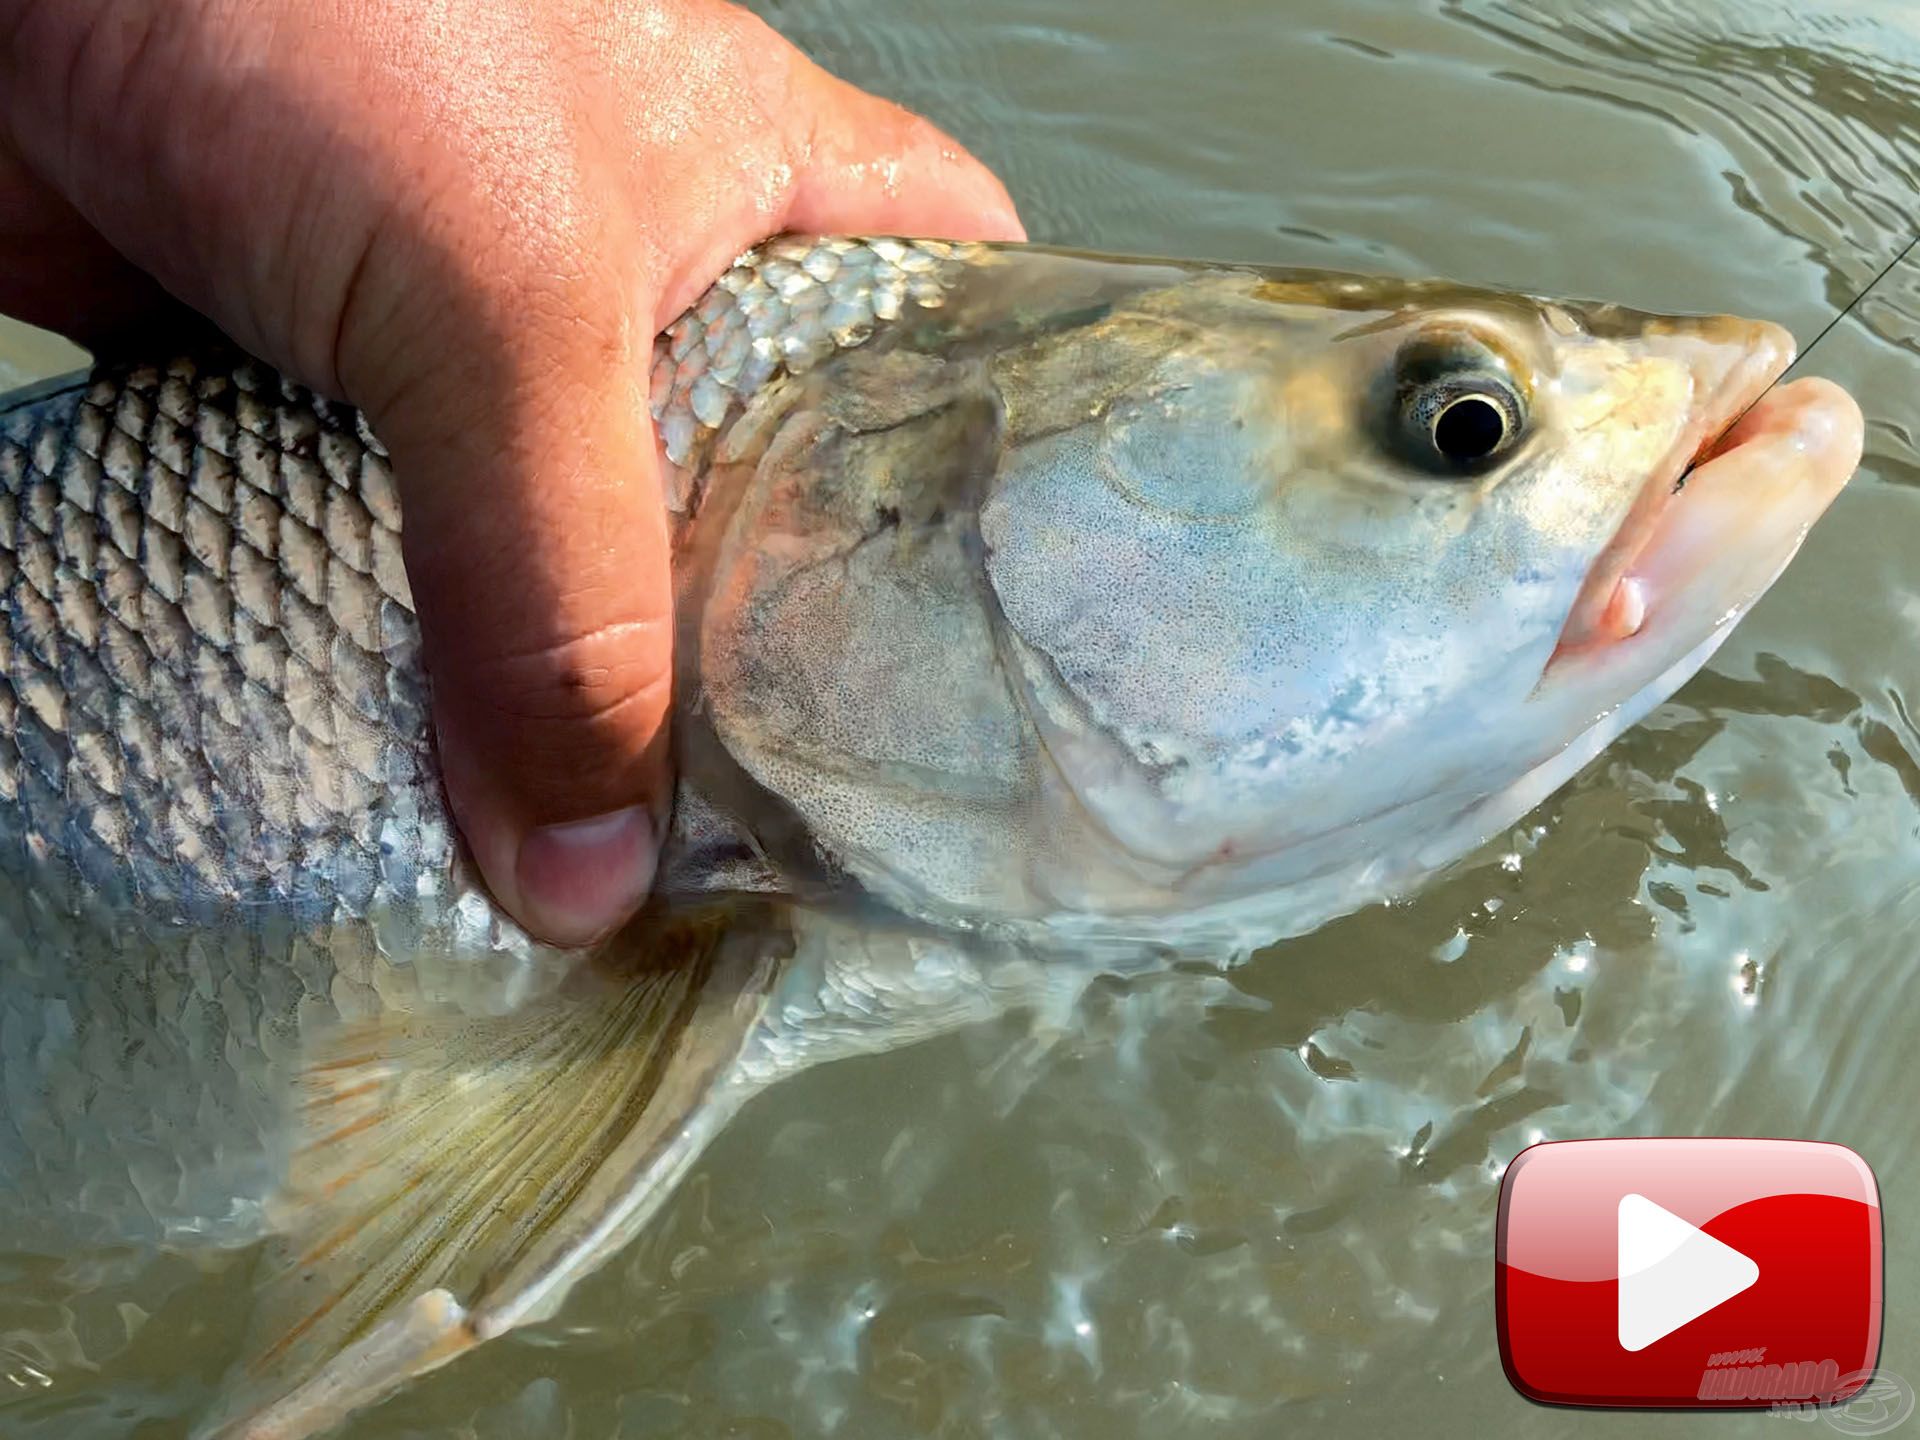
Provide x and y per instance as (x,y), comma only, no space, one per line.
(1670,1272)
(1674,1272)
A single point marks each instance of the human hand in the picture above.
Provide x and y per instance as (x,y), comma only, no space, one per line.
(470,220)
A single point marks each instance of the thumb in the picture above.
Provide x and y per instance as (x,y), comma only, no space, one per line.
(871,167)
(537,550)
(858,165)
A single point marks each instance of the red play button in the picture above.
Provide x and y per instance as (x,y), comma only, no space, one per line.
(1688,1272)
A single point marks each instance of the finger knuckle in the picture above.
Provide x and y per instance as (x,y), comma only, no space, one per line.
(610,678)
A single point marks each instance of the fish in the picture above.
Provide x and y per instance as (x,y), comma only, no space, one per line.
(1039,615)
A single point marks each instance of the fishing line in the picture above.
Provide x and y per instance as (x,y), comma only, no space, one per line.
(1825,330)
(1852,305)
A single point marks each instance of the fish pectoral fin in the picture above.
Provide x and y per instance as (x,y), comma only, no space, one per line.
(419,1336)
(455,1176)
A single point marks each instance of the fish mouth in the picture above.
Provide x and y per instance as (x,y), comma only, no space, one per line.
(1756,465)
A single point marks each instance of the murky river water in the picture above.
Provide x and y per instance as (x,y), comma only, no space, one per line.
(1263,1202)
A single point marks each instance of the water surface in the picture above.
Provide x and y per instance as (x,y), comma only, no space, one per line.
(1262,1202)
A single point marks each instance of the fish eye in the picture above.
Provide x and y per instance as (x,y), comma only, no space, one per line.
(1456,409)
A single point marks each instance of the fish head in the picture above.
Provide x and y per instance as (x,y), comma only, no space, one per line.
(1354,572)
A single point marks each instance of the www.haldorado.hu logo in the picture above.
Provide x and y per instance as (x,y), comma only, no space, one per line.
(1746,1375)
(1854,1402)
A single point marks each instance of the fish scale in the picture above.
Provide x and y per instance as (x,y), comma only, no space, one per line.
(782,307)
(230,606)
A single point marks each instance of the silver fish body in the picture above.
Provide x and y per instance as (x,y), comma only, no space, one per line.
(220,803)
(221,823)
(1060,609)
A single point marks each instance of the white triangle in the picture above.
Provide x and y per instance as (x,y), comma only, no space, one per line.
(1671,1272)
